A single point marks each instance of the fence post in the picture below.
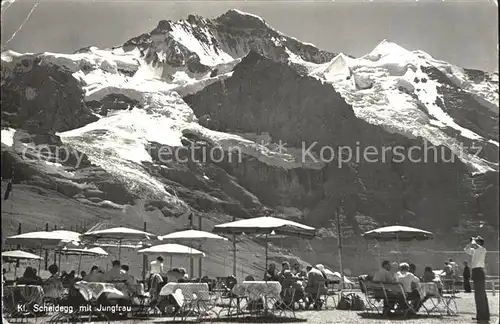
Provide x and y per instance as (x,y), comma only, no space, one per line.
(55,251)
(19,231)
(46,251)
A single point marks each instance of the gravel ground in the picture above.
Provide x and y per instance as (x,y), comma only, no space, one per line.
(465,305)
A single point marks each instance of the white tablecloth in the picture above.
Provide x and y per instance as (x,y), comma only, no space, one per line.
(186,291)
(92,290)
(256,289)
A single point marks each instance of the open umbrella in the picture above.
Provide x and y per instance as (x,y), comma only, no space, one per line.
(189,236)
(117,235)
(43,239)
(172,249)
(95,251)
(19,255)
(268,226)
(398,234)
(86,251)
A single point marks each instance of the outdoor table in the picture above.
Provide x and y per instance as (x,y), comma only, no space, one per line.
(268,291)
(257,289)
(93,290)
(187,291)
(192,298)
(25,295)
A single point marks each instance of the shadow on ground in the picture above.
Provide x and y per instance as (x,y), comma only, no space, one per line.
(249,319)
(398,317)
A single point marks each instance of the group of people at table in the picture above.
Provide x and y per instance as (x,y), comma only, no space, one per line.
(307,284)
(405,274)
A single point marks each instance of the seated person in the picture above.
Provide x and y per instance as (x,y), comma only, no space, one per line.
(271,274)
(429,275)
(321,268)
(315,286)
(384,274)
(95,275)
(53,286)
(296,269)
(285,266)
(249,278)
(175,275)
(36,275)
(289,281)
(29,278)
(82,275)
(130,281)
(409,282)
(115,274)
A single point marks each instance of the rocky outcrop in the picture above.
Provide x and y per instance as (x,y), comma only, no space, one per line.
(301,111)
(43,98)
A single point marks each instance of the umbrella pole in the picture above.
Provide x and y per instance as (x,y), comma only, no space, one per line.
(40,262)
(120,250)
(191,263)
(397,247)
(170,261)
(234,256)
(80,262)
(200,267)
(265,277)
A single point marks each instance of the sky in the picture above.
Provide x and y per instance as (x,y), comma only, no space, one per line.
(464,33)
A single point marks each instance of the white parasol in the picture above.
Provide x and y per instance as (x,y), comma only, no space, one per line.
(172,249)
(117,235)
(43,239)
(190,236)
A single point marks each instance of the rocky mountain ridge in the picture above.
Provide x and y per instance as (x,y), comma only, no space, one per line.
(131,125)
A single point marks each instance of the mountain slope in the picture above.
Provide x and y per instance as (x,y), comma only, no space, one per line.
(229,117)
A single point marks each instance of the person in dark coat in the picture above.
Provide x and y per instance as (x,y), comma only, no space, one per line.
(466,276)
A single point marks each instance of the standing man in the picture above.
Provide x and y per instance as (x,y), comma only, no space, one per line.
(476,249)
(466,276)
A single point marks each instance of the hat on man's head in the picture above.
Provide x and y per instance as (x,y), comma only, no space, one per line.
(404,265)
(479,239)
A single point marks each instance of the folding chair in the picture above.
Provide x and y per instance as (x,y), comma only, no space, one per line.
(318,298)
(331,293)
(449,297)
(395,294)
(374,296)
(287,302)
